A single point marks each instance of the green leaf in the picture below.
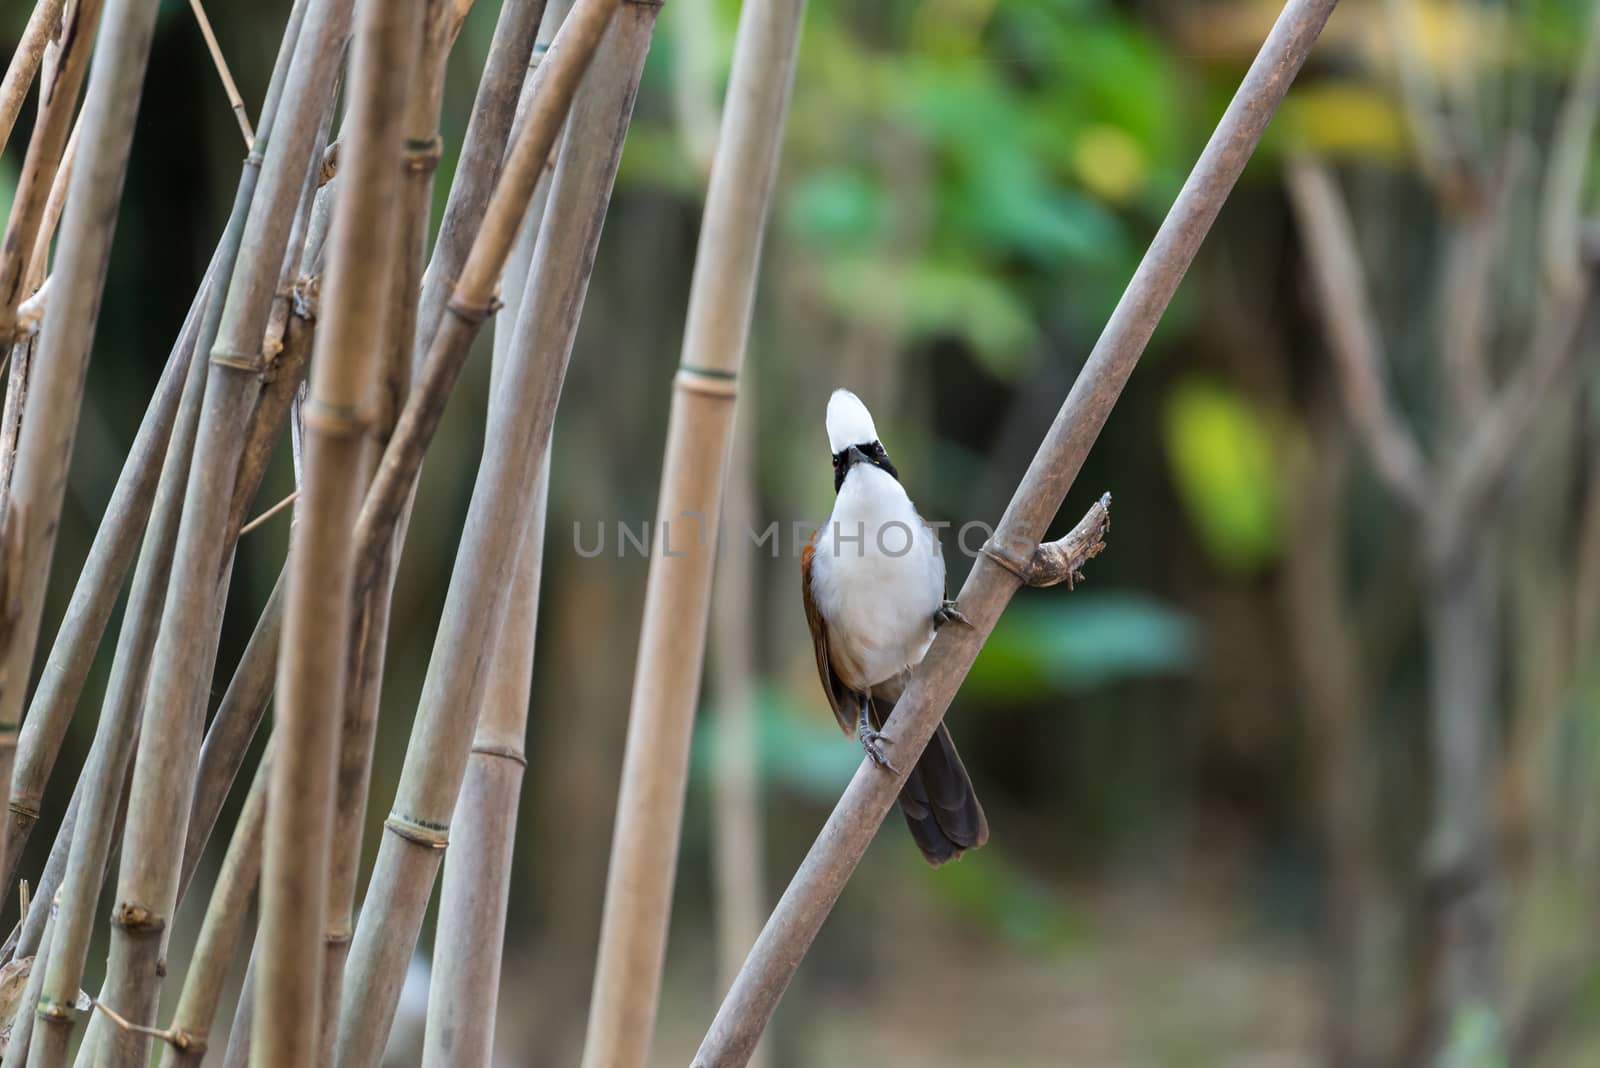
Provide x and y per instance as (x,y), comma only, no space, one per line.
(1223,462)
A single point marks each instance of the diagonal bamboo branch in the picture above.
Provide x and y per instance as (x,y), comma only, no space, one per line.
(44,447)
(57,101)
(822,876)
(655,768)
(110,556)
(235,101)
(220,931)
(42,26)
(115,734)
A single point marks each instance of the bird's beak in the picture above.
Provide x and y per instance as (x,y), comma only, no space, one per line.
(855,456)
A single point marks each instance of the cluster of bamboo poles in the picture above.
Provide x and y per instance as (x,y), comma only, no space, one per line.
(323,274)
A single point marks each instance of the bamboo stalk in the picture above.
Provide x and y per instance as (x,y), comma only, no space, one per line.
(107,768)
(11,416)
(472,300)
(794,923)
(232,730)
(22,1024)
(364,255)
(41,27)
(95,594)
(465,977)
(224,922)
(226,740)
(483,150)
(185,651)
(477,873)
(58,99)
(369,623)
(736,859)
(34,279)
(44,447)
(235,101)
(520,417)
(655,768)
(270,417)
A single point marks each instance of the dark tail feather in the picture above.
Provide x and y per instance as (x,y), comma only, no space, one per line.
(938,801)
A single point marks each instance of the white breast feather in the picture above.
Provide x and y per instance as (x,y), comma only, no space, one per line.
(877,600)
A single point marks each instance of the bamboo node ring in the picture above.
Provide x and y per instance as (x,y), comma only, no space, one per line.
(239,361)
(135,918)
(334,420)
(473,314)
(53,1010)
(29,809)
(1019,568)
(709,382)
(427,835)
(422,153)
(505,752)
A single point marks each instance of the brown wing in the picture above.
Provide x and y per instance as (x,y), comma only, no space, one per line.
(840,699)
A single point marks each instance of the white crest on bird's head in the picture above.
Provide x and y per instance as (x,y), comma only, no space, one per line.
(849,422)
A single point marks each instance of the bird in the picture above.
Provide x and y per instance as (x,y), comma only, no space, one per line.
(873,582)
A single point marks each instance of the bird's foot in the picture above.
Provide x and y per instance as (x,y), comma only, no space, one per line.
(949,613)
(872,741)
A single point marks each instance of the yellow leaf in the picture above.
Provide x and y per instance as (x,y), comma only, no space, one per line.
(1109,163)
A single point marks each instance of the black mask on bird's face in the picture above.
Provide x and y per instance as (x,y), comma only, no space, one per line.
(869,453)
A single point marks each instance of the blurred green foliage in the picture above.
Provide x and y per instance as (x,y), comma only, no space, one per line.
(1076,643)
(1226,471)
(954,168)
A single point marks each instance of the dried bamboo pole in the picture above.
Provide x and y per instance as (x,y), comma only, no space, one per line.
(363,256)
(477,872)
(482,151)
(34,280)
(298,310)
(56,390)
(227,739)
(655,767)
(472,300)
(465,978)
(41,27)
(736,858)
(520,417)
(11,416)
(93,598)
(224,922)
(22,1023)
(369,622)
(165,767)
(115,733)
(233,728)
(95,594)
(235,101)
(57,101)
(994,578)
